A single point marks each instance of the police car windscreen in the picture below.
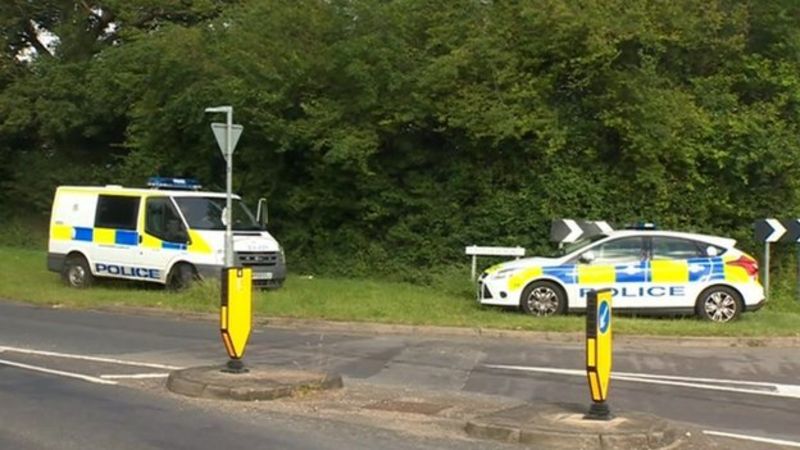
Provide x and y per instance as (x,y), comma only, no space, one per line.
(205,213)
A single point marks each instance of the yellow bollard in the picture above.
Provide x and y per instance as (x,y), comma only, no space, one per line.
(235,314)
(598,352)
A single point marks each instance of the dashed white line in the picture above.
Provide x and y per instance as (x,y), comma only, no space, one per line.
(78,376)
(121,362)
(134,376)
(753,438)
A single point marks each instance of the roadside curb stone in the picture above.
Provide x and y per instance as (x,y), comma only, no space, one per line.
(536,336)
(260,383)
(561,426)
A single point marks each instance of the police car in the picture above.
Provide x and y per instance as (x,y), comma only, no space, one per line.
(649,271)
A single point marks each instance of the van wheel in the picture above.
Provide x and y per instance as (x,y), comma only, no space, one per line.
(76,272)
(719,304)
(181,276)
(543,298)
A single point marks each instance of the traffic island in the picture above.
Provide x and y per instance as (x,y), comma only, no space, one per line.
(258,383)
(564,427)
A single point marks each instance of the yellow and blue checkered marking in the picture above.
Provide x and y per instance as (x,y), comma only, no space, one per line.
(657,271)
(117,237)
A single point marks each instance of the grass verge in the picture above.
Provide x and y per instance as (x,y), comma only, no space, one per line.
(449,302)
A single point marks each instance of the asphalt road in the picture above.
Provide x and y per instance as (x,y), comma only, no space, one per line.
(748,391)
(46,412)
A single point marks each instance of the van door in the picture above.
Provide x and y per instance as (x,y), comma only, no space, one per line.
(164,237)
(114,236)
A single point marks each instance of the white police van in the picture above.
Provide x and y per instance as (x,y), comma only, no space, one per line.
(648,271)
(172,234)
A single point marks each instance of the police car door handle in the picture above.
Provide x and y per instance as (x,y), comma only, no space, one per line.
(140,239)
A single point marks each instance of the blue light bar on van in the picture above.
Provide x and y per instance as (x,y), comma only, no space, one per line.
(174,183)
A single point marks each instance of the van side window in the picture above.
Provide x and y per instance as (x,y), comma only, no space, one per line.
(162,221)
(117,211)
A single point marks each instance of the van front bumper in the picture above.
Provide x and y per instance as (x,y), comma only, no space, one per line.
(264,276)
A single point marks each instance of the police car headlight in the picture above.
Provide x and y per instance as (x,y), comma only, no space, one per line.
(503,273)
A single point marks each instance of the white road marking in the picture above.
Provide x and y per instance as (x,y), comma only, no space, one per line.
(121,362)
(714,384)
(135,376)
(57,372)
(753,438)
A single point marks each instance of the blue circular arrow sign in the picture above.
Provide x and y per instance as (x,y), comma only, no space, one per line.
(603,317)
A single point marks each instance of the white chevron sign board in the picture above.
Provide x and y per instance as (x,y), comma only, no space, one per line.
(773,230)
(567,231)
(769,230)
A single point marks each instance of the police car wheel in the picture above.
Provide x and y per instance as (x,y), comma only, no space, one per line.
(76,272)
(543,298)
(181,276)
(719,304)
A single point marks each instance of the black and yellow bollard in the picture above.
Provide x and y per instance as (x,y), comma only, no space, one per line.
(598,352)
(236,314)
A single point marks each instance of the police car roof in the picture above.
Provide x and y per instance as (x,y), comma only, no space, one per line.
(715,240)
(115,189)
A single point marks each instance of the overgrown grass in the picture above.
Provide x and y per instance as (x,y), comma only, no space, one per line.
(447,302)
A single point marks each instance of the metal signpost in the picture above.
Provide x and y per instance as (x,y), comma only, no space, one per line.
(768,231)
(475,251)
(598,352)
(224,133)
(237,282)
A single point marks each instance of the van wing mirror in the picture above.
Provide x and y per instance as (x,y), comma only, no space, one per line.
(262,213)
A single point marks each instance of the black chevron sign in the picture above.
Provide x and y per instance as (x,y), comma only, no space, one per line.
(777,230)
(792,230)
(568,230)
(769,230)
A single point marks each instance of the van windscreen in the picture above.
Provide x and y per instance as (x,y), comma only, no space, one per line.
(205,213)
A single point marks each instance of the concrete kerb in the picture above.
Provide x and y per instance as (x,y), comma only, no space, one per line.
(561,426)
(260,383)
(536,336)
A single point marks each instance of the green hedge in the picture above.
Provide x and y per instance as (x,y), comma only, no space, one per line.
(389,135)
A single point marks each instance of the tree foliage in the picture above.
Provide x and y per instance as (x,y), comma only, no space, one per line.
(389,134)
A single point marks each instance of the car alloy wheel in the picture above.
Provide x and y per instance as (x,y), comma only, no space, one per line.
(720,306)
(542,301)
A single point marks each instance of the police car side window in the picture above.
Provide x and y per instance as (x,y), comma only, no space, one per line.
(675,248)
(162,221)
(116,211)
(620,251)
